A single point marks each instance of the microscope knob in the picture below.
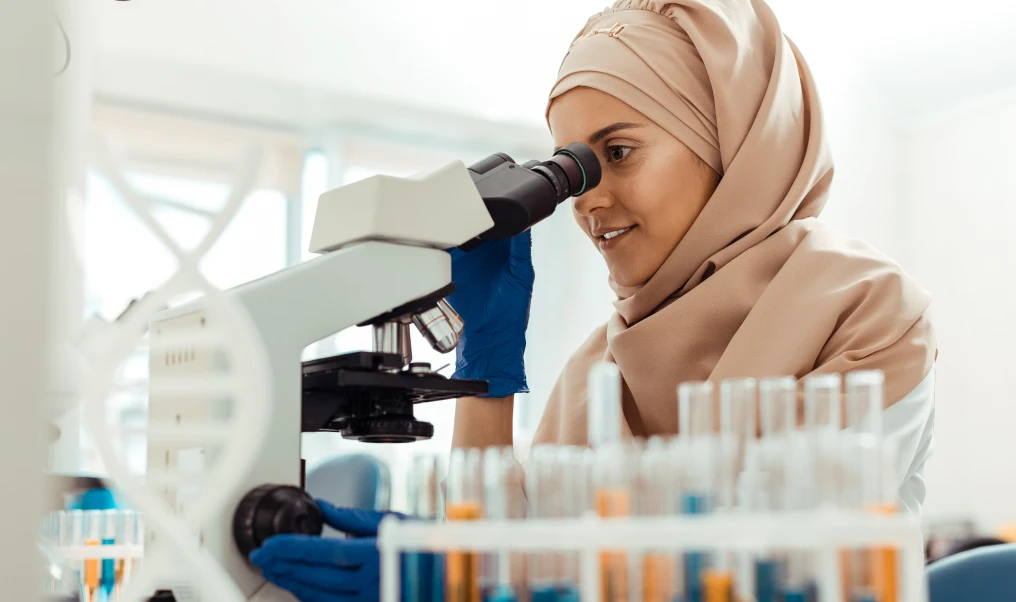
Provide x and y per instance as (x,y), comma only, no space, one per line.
(272,510)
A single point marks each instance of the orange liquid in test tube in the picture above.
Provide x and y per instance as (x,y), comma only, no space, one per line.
(91,576)
(884,564)
(462,569)
(657,578)
(718,586)
(613,565)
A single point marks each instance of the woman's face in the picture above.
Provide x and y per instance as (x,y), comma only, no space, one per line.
(653,187)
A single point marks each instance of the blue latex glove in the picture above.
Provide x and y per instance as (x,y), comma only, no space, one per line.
(317,569)
(493,291)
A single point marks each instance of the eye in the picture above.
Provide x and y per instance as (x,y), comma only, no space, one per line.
(617,152)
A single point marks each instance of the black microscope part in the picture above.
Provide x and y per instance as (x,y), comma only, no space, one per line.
(273,510)
(369,397)
(519,196)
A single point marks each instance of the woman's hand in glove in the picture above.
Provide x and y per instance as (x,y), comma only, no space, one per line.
(493,291)
(319,569)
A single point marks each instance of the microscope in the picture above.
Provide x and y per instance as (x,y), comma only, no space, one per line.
(382,263)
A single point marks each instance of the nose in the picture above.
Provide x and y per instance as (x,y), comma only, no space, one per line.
(596,199)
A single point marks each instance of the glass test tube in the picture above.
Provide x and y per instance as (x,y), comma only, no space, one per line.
(613,488)
(778,419)
(465,502)
(875,571)
(822,408)
(503,500)
(424,571)
(823,421)
(93,531)
(657,496)
(544,496)
(129,535)
(696,412)
(110,526)
(738,433)
(576,466)
(77,535)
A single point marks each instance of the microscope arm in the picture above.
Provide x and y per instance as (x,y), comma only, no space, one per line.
(291,309)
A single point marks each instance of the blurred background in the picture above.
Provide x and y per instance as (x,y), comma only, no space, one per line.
(920,98)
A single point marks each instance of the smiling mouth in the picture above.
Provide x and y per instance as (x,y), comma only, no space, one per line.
(612,238)
(616,233)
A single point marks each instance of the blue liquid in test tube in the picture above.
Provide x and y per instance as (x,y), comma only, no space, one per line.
(423,577)
(567,593)
(767,580)
(694,562)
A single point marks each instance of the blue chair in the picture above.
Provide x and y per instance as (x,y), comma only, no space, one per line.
(983,575)
(357,481)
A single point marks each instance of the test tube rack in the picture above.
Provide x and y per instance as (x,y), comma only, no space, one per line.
(97,552)
(821,532)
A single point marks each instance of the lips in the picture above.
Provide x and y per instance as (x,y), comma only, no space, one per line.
(608,238)
(611,232)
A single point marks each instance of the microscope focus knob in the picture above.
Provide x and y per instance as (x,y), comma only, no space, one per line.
(272,510)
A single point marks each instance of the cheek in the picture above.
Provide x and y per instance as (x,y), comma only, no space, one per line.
(662,203)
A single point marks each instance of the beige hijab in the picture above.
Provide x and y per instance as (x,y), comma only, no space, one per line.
(758,286)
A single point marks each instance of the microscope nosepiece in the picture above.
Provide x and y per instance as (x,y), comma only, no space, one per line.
(440,325)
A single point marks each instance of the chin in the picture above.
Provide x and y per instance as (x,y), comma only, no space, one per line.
(626,277)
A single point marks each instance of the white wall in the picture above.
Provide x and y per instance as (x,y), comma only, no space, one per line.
(961,208)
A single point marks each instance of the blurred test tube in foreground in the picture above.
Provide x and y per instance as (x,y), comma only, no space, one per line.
(465,502)
(424,571)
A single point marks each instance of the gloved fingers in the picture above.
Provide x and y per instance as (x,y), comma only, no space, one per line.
(306,592)
(332,579)
(347,553)
(520,260)
(358,523)
(349,581)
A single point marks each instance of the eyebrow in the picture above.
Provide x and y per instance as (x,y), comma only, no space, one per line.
(603,132)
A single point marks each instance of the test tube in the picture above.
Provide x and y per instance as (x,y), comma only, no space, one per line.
(545,503)
(613,488)
(576,464)
(110,521)
(777,423)
(77,535)
(875,571)
(657,497)
(696,420)
(822,408)
(739,428)
(604,407)
(424,571)
(799,495)
(128,536)
(93,530)
(503,500)
(465,502)
(823,416)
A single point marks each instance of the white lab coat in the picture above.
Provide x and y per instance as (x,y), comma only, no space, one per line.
(910,422)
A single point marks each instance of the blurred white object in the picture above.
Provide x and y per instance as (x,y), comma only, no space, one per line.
(910,424)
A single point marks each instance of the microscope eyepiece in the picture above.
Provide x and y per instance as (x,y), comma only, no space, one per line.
(519,196)
(580,165)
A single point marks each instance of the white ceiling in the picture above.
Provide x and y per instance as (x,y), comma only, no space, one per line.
(497,59)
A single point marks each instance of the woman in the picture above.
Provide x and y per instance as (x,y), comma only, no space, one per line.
(715,165)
